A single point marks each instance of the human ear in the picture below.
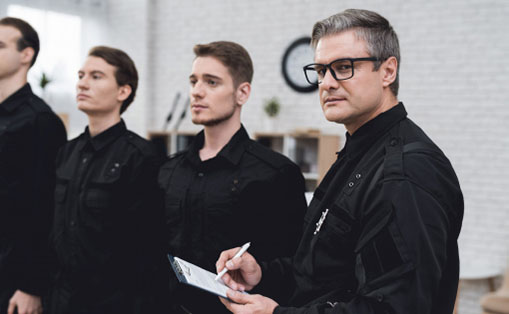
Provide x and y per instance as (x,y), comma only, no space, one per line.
(242,93)
(26,55)
(389,71)
(123,92)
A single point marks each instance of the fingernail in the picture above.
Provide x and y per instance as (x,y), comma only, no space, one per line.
(229,264)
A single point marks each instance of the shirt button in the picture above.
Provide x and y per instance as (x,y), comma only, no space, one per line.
(84,160)
(350,184)
(200,174)
(358,176)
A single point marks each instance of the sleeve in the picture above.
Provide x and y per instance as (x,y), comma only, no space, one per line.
(32,248)
(406,247)
(277,279)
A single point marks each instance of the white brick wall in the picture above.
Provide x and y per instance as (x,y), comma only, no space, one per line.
(454,77)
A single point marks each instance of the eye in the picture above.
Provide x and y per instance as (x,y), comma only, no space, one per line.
(80,76)
(96,76)
(212,82)
(192,82)
(342,67)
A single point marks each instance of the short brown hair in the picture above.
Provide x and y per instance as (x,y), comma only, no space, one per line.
(29,37)
(125,72)
(232,55)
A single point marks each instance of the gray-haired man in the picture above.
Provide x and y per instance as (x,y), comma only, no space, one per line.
(381,231)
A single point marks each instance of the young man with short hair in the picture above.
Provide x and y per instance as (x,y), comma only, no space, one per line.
(227,189)
(381,231)
(108,205)
(30,136)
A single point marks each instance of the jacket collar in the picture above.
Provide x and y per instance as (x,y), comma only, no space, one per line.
(372,130)
(104,138)
(231,152)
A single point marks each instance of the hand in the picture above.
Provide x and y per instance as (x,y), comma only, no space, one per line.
(248,303)
(244,273)
(25,303)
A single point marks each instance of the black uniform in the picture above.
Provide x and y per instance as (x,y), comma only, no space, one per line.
(247,193)
(108,207)
(30,135)
(381,231)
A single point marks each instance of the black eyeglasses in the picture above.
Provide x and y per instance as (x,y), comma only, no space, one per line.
(341,69)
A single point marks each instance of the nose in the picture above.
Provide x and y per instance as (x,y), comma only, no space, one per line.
(329,82)
(197,90)
(82,83)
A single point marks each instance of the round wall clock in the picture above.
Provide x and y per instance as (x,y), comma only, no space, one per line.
(296,56)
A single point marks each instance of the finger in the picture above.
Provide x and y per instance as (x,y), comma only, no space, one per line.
(239,297)
(11,308)
(226,303)
(224,257)
(232,284)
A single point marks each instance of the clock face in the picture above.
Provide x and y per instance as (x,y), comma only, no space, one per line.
(296,56)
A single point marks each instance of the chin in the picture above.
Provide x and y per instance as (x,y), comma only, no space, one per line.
(198,120)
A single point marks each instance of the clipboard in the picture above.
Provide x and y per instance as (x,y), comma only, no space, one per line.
(198,277)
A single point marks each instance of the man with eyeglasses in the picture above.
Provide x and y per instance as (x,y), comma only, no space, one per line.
(380,235)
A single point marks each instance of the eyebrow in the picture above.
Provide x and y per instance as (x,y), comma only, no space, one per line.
(92,72)
(207,76)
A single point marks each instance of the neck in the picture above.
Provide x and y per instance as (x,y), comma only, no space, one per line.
(388,101)
(217,136)
(99,124)
(11,84)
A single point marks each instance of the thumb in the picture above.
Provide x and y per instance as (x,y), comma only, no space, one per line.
(238,297)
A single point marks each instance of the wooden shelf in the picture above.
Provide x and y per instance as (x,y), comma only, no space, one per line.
(312,151)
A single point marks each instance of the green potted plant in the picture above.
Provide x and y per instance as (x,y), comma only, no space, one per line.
(272,107)
(44,81)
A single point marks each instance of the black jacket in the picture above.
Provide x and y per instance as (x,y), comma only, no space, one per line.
(30,136)
(247,193)
(107,217)
(380,234)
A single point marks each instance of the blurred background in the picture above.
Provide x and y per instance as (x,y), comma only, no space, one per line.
(454,82)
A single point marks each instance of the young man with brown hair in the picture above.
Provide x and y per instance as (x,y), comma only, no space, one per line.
(227,189)
(30,135)
(108,205)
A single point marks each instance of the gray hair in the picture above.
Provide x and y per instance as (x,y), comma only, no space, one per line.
(381,39)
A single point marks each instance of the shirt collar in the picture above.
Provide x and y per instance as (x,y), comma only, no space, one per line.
(371,131)
(232,152)
(104,138)
(16,99)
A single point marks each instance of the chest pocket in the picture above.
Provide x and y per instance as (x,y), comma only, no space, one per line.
(101,198)
(334,242)
(174,198)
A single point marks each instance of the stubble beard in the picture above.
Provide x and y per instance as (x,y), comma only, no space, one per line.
(217,120)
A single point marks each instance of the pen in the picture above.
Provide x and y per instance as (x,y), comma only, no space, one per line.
(239,254)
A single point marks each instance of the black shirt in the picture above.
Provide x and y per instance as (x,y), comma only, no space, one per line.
(30,135)
(108,208)
(381,231)
(247,193)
